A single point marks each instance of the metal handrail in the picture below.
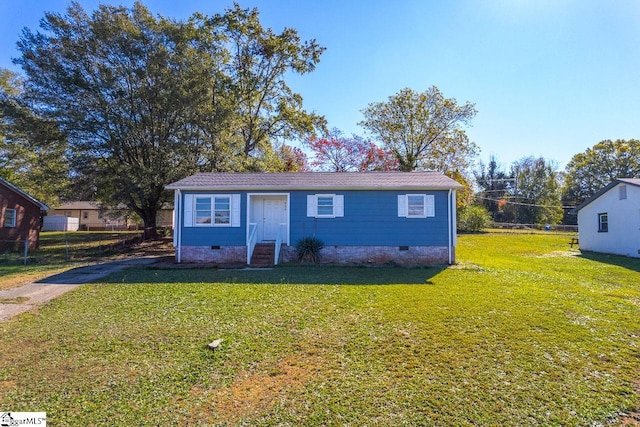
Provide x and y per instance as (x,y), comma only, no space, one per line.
(252,240)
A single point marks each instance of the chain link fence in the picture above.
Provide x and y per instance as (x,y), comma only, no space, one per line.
(61,247)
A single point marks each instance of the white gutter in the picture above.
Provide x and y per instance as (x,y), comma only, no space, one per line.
(449,224)
(177,230)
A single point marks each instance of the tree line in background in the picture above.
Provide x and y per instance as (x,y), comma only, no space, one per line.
(115,105)
(533,191)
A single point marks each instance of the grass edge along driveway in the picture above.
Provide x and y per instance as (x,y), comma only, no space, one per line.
(522,331)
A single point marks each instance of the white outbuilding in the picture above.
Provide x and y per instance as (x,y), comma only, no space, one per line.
(609,221)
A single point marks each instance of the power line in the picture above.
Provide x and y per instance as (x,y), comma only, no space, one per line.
(522,204)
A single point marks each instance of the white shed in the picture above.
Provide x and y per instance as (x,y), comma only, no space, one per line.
(609,221)
(60,223)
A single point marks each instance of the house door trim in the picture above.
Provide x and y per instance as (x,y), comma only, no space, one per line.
(253,197)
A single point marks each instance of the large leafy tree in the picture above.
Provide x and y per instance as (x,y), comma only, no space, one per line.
(423,130)
(125,86)
(588,172)
(259,60)
(535,192)
(147,100)
(32,149)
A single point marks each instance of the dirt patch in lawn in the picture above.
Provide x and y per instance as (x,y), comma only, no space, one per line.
(559,254)
(633,417)
(256,391)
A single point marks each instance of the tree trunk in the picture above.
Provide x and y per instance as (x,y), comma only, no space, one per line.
(149,220)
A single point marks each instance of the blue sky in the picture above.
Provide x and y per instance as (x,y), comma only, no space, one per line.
(549,78)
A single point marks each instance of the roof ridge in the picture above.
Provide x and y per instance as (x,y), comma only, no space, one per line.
(41,205)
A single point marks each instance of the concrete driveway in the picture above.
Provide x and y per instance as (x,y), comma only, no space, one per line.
(24,298)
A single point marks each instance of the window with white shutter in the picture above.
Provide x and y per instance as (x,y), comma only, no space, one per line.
(212,210)
(325,205)
(416,205)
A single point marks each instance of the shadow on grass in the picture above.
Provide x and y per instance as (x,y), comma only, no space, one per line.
(286,274)
(629,263)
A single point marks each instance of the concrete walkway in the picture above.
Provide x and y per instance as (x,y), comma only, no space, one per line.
(27,297)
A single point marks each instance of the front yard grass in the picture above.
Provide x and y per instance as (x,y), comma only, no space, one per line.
(523,331)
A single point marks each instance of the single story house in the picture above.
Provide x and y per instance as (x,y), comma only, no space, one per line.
(20,215)
(91,217)
(609,221)
(361,217)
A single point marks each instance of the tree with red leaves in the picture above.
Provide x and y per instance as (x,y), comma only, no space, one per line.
(336,153)
(293,159)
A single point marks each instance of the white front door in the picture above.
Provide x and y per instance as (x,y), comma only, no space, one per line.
(269,212)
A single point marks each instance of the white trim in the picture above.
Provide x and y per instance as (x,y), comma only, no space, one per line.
(430,205)
(188,210)
(235,210)
(176,204)
(287,236)
(454,220)
(338,205)
(177,228)
(312,205)
(449,227)
(402,205)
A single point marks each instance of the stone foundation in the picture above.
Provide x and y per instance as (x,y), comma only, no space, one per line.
(340,255)
(206,254)
(377,255)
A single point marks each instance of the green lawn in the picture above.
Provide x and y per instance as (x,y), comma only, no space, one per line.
(523,331)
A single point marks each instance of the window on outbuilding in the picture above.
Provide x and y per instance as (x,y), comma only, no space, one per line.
(622,192)
(603,222)
(10,218)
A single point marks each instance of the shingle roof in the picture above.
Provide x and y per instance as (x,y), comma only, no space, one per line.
(78,205)
(316,181)
(630,181)
(27,196)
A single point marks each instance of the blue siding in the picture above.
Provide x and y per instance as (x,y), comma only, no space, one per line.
(370,218)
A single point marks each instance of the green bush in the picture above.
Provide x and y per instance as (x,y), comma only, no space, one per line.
(308,249)
(473,218)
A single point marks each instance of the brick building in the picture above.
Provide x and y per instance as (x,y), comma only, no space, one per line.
(20,215)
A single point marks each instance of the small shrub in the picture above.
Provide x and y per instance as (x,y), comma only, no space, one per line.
(473,218)
(308,249)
